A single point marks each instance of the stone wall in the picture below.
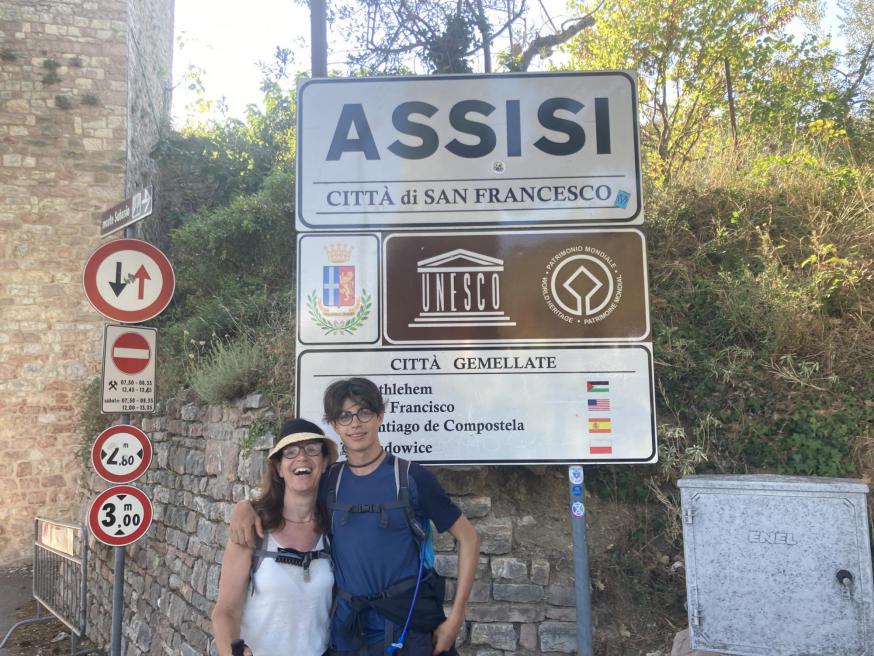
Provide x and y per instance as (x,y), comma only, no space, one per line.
(66,82)
(208,457)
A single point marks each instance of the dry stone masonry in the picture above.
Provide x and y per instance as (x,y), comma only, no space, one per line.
(208,457)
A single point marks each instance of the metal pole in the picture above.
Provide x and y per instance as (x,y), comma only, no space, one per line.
(576,485)
(118,580)
(319,38)
(117,601)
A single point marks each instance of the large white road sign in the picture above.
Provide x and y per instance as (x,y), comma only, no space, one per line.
(574,404)
(556,149)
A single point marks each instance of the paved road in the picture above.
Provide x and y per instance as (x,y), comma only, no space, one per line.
(15,592)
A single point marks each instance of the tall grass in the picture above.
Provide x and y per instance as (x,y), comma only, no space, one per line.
(769,255)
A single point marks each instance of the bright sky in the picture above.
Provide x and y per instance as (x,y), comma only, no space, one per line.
(227,39)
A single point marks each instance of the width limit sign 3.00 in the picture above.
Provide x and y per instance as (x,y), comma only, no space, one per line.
(128,370)
(120,515)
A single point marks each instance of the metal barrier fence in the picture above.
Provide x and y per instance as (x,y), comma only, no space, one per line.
(60,580)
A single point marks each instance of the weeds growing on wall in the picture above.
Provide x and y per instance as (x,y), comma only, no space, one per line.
(229,369)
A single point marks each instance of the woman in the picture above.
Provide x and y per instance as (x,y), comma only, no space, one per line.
(277,598)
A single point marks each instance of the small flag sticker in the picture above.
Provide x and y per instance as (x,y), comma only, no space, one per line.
(600,425)
(600,447)
(599,404)
(598,386)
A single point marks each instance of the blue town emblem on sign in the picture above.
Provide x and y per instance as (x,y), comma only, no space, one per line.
(338,308)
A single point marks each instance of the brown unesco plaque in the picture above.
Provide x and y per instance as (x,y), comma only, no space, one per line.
(526,286)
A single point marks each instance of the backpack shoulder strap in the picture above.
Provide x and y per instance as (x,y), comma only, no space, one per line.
(257,557)
(402,482)
(335,474)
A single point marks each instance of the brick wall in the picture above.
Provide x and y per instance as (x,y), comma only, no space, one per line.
(64,148)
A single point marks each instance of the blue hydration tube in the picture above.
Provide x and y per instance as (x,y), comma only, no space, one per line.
(400,642)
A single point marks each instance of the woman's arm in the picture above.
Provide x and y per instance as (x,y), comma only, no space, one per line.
(233,586)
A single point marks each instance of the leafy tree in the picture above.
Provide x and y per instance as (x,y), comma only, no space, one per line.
(858,80)
(686,52)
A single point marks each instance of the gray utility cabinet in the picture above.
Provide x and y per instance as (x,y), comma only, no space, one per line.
(778,565)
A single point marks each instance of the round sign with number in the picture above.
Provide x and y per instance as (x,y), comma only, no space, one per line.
(120,515)
(121,454)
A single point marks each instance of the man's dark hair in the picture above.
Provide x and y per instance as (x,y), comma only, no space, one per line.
(360,390)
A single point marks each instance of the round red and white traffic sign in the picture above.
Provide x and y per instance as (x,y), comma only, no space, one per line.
(131,353)
(121,454)
(128,280)
(120,515)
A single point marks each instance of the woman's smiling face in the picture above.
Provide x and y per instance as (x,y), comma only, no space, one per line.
(301,471)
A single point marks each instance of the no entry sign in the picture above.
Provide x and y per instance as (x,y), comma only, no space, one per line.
(131,352)
(128,370)
(120,515)
(121,454)
(128,280)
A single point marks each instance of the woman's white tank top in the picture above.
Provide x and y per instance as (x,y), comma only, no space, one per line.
(287,615)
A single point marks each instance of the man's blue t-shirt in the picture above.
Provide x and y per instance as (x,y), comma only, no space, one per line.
(367,558)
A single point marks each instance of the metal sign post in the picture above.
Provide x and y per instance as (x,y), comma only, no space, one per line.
(581,560)
(118,588)
(117,601)
(128,281)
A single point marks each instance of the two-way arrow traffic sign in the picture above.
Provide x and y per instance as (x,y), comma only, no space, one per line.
(128,280)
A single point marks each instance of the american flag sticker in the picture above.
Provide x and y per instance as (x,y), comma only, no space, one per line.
(599,404)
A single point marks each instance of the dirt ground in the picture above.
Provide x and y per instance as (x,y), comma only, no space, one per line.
(47,638)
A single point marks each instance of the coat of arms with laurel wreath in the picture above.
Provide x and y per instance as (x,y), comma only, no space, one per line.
(338,309)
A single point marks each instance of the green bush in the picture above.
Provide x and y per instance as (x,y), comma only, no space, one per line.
(809,441)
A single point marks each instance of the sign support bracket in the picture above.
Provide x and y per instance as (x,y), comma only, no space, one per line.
(582,583)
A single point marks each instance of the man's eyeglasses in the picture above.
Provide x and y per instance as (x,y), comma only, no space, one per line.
(364,415)
(312,449)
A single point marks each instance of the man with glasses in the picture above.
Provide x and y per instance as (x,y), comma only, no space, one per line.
(379,554)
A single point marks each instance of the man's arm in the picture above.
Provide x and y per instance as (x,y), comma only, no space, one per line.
(244,523)
(468,559)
